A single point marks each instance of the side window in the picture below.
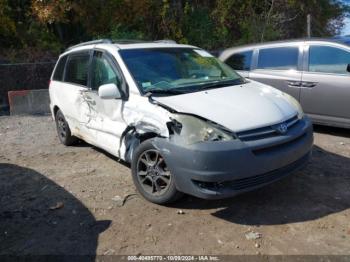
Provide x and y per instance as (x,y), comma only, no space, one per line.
(102,71)
(58,74)
(280,58)
(77,69)
(328,59)
(240,61)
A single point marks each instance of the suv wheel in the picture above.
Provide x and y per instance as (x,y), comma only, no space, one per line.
(63,130)
(151,175)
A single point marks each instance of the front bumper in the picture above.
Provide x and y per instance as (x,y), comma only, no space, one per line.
(214,170)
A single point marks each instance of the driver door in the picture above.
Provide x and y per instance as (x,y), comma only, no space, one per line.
(106,115)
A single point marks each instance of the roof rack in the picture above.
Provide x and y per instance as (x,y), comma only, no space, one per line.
(120,41)
(130,41)
(94,42)
(165,41)
(136,41)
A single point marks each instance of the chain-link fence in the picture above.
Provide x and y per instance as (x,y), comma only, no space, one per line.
(22,76)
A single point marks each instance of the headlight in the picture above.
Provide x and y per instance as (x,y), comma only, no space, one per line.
(296,104)
(194,130)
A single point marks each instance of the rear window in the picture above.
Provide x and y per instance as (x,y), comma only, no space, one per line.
(77,69)
(58,74)
(281,58)
(240,61)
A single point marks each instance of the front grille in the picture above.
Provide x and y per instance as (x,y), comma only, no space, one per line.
(282,146)
(265,132)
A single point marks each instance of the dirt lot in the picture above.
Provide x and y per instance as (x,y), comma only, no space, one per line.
(69,200)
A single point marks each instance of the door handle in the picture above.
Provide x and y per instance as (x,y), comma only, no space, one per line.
(294,83)
(308,84)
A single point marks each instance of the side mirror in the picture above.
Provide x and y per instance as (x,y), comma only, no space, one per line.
(348,68)
(109,91)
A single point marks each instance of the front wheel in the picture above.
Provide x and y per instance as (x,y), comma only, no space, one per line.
(151,175)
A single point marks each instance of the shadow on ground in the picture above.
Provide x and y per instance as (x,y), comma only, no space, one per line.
(321,189)
(336,131)
(29,226)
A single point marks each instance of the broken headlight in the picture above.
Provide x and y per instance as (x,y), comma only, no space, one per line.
(194,130)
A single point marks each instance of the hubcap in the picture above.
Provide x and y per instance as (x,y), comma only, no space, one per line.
(61,127)
(152,172)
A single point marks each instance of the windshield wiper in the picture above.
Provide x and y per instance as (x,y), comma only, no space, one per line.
(217,84)
(163,92)
(202,86)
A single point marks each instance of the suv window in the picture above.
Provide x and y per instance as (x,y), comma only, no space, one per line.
(77,69)
(102,71)
(58,75)
(328,59)
(240,61)
(279,58)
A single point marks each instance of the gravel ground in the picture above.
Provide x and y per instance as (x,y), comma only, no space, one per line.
(80,200)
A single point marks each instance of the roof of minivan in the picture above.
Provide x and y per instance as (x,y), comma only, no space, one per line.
(105,43)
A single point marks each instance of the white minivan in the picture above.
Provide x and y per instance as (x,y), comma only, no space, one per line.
(185,121)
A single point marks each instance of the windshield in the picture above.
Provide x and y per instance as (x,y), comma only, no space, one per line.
(177,70)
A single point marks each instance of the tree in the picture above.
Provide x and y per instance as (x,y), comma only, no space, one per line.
(212,24)
(7,24)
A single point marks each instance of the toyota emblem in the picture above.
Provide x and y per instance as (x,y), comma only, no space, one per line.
(282,128)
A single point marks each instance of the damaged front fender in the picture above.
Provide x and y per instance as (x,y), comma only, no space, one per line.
(178,128)
(144,120)
(147,117)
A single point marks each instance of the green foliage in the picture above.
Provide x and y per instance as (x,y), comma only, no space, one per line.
(7,24)
(211,24)
(122,32)
(44,39)
(198,27)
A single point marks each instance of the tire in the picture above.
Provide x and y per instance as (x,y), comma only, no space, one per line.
(63,130)
(151,176)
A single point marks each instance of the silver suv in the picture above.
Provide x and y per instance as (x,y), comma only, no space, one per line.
(314,71)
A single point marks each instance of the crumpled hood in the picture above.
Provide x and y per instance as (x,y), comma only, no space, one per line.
(238,108)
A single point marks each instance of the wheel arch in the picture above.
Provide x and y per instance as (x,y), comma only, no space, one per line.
(133,139)
(55,110)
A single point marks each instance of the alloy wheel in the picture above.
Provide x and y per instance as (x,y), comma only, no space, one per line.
(152,172)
